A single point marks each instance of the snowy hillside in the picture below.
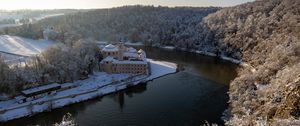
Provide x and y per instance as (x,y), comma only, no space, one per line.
(22,46)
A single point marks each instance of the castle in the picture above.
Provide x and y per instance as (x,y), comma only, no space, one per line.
(121,59)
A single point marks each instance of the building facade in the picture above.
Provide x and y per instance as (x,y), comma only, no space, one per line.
(121,59)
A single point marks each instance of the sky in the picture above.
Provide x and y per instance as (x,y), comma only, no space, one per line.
(87,4)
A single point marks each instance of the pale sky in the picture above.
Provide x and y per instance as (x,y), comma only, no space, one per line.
(87,4)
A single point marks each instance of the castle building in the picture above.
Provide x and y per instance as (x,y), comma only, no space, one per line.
(121,59)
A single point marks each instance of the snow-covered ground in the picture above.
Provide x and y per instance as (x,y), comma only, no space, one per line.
(161,68)
(48,16)
(22,46)
(96,85)
(134,43)
(168,47)
(17,49)
(2,26)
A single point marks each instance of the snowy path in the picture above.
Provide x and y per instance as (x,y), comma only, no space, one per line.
(96,85)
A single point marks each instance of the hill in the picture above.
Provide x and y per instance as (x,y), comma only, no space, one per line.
(152,25)
(265,34)
(22,46)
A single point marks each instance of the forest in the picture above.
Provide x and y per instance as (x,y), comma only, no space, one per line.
(151,25)
(264,34)
(9,16)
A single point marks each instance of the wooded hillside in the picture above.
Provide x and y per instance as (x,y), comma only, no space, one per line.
(265,34)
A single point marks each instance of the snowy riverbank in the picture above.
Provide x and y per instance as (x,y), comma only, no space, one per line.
(232,60)
(96,85)
(168,47)
(235,61)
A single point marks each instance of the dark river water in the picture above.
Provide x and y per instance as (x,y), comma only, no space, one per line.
(187,98)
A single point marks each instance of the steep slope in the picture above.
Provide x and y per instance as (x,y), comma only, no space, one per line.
(265,34)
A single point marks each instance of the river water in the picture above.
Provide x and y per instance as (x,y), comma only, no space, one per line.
(187,98)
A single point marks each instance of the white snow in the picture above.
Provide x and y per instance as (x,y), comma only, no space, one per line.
(11,59)
(40,88)
(168,47)
(96,85)
(161,68)
(134,44)
(110,48)
(22,46)
(114,61)
(48,16)
(130,54)
(2,26)
(17,49)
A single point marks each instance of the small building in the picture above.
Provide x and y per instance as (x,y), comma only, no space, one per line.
(20,99)
(121,59)
(111,50)
(41,90)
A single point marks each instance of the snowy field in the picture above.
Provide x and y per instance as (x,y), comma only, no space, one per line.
(2,26)
(17,49)
(96,85)
(22,46)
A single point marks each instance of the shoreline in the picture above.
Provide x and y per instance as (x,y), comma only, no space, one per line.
(222,57)
(86,90)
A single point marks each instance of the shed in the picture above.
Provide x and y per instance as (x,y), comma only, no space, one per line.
(41,89)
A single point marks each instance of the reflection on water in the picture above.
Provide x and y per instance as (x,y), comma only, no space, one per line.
(204,66)
(187,98)
(120,96)
(67,120)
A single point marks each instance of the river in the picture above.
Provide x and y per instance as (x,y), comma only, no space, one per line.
(187,98)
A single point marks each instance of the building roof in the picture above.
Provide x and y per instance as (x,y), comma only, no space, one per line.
(110,48)
(40,89)
(131,50)
(20,97)
(141,51)
(129,62)
(109,58)
(114,61)
(129,54)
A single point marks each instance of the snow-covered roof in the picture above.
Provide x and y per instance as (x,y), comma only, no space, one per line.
(110,48)
(132,50)
(129,62)
(20,97)
(129,54)
(141,51)
(101,42)
(114,61)
(109,58)
(40,89)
